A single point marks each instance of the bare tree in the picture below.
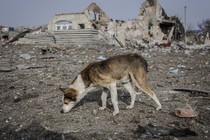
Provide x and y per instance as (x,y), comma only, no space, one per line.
(190,27)
(205,26)
(192,36)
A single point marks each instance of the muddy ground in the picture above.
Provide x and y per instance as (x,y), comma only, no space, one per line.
(30,99)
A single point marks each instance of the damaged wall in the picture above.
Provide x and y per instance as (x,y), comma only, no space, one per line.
(95,13)
(80,20)
(71,21)
(79,27)
(150,14)
(152,24)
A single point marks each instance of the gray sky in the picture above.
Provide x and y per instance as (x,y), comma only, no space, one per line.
(38,12)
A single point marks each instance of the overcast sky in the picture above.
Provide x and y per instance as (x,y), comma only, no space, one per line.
(28,13)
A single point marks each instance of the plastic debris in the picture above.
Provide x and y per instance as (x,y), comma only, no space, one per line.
(173,71)
(25,56)
(101,58)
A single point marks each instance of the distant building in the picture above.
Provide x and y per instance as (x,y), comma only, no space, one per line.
(6,33)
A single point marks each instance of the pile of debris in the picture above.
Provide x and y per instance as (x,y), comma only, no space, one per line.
(41,38)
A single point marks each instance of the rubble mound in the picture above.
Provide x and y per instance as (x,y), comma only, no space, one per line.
(30,102)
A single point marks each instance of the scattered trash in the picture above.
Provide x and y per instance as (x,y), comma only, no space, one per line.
(181,66)
(5,69)
(208,108)
(19,128)
(17,99)
(156,131)
(25,56)
(101,58)
(187,52)
(185,113)
(6,46)
(173,71)
(94,112)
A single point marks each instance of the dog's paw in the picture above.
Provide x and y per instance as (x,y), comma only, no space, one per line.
(115,113)
(158,108)
(129,107)
(102,108)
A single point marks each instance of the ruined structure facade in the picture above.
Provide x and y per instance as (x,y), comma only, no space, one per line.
(79,27)
(69,21)
(81,20)
(151,24)
(151,14)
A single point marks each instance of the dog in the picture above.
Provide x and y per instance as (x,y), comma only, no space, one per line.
(125,69)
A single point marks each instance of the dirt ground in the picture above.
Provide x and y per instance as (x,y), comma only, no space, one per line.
(30,99)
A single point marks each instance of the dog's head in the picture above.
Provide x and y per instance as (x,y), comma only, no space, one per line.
(69,99)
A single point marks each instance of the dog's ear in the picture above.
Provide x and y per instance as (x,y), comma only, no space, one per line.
(65,90)
(69,91)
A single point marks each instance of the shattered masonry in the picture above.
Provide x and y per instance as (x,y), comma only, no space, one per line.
(152,24)
(93,24)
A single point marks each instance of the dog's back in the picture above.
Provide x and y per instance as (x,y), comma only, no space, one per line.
(114,68)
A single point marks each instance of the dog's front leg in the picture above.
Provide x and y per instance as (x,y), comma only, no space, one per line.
(113,90)
(104,98)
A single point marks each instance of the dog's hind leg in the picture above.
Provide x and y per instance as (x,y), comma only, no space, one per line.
(104,98)
(140,80)
(132,92)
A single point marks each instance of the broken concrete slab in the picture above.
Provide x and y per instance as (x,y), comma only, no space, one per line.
(23,66)
(41,38)
(185,113)
(5,69)
(25,56)
(26,66)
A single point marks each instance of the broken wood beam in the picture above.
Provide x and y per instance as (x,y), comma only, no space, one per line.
(120,43)
(192,90)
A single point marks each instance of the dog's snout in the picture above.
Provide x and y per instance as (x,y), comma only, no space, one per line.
(61,111)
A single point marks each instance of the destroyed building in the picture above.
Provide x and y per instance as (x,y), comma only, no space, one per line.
(154,21)
(93,24)
(79,27)
(153,24)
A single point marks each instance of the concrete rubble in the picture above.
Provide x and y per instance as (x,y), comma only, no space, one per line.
(36,62)
(43,38)
(30,98)
(185,113)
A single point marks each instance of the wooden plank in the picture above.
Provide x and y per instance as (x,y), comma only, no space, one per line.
(192,90)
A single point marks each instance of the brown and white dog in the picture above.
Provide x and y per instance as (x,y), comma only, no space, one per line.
(107,73)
